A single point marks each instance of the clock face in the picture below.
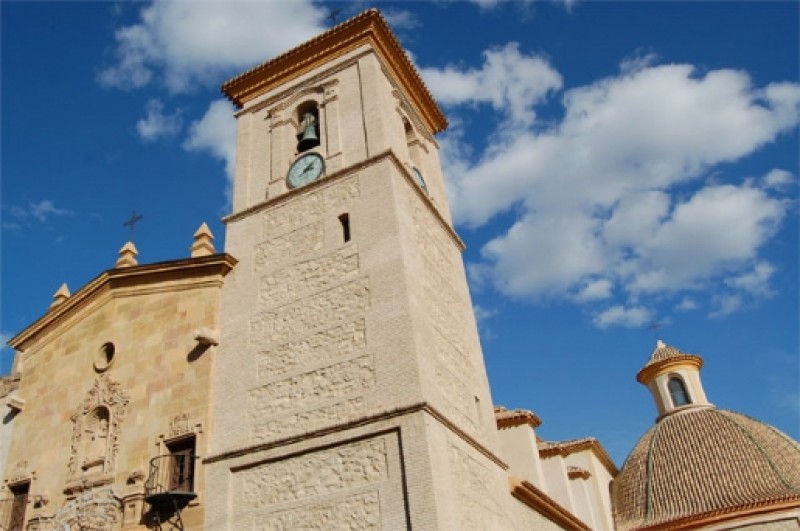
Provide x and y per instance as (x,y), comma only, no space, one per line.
(306,169)
(418,177)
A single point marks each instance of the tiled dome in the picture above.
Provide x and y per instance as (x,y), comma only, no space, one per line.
(705,463)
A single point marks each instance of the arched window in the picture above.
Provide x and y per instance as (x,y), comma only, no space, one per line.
(677,391)
(308,117)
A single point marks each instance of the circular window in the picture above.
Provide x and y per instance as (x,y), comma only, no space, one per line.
(104,356)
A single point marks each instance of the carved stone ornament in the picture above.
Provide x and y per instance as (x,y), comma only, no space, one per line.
(96,427)
(179,425)
(95,510)
(19,473)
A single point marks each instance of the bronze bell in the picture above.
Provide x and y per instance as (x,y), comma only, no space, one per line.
(309,138)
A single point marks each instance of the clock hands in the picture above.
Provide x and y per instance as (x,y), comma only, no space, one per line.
(310,165)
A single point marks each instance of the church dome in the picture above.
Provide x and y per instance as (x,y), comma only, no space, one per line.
(705,464)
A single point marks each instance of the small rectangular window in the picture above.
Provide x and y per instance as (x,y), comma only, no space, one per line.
(344,219)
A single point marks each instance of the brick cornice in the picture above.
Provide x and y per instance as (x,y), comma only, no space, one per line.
(368,28)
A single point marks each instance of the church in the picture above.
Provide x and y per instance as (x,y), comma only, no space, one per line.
(324,370)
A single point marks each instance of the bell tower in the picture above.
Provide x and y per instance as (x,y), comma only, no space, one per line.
(350,385)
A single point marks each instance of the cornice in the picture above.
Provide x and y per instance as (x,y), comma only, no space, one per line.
(566,448)
(123,279)
(368,28)
(648,372)
(364,421)
(343,173)
(506,418)
(536,499)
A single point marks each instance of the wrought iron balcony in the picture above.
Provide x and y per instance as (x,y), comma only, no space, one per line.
(171,480)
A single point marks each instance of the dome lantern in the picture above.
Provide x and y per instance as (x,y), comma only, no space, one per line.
(673,378)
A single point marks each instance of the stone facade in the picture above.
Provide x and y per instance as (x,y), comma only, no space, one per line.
(330,376)
(112,375)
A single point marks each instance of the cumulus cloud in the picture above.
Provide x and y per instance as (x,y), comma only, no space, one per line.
(215,134)
(181,43)
(614,191)
(156,124)
(778,179)
(596,289)
(756,281)
(510,81)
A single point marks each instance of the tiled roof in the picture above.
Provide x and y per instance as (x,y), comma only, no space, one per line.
(664,352)
(664,355)
(508,418)
(702,463)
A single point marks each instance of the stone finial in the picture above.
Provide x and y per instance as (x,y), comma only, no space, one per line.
(60,296)
(127,256)
(203,244)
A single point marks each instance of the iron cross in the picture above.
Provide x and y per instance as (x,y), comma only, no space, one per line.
(135,218)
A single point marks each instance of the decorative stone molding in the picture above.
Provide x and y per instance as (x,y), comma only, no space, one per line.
(127,256)
(97,509)
(96,427)
(206,337)
(203,244)
(180,426)
(15,402)
(60,296)
(20,474)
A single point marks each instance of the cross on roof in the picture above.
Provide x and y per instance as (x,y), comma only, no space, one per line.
(135,218)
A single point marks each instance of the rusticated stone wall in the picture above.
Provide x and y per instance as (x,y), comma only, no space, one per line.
(345,486)
(460,383)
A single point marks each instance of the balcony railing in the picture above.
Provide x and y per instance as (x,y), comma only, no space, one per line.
(171,477)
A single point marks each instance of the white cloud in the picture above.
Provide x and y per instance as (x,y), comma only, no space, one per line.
(215,134)
(686,304)
(594,290)
(40,211)
(400,19)
(606,192)
(511,82)
(45,208)
(183,43)
(756,281)
(482,314)
(621,316)
(157,124)
(778,179)
(717,228)
(726,305)
(611,191)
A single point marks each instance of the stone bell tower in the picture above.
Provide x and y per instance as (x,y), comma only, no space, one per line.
(350,384)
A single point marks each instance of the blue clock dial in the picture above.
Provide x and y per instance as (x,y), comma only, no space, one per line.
(305,170)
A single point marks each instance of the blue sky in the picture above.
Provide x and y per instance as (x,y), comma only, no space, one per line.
(609,165)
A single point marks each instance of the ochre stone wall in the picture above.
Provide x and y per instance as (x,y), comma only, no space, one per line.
(155,389)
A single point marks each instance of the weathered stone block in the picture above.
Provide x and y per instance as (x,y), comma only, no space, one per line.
(282,324)
(301,391)
(327,345)
(310,276)
(315,474)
